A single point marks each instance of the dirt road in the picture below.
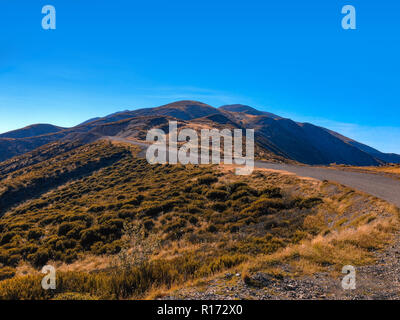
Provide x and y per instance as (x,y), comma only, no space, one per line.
(377,185)
(380,186)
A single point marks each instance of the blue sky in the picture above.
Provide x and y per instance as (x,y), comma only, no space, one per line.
(288,57)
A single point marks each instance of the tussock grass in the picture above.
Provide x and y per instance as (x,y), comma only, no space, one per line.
(206,221)
(330,251)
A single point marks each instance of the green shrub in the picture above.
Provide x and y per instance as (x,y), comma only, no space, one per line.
(89,237)
(309,202)
(207,179)
(148,224)
(193,209)
(265,207)
(272,193)
(193,220)
(6,273)
(64,228)
(212,229)
(96,209)
(39,258)
(34,234)
(219,206)
(175,225)
(240,194)
(233,187)
(217,195)
(7,237)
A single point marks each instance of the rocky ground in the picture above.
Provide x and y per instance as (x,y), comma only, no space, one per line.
(378,282)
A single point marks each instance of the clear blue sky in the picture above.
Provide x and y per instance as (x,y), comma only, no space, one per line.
(289,57)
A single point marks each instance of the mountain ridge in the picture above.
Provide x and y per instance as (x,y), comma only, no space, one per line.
(302,142)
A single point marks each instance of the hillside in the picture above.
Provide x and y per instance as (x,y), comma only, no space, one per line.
(83,208)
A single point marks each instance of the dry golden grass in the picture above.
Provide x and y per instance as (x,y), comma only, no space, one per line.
(350,228)
(390,170)
(221,223)
(353,244)
(88,263)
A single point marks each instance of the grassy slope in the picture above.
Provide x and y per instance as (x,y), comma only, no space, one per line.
(195,222)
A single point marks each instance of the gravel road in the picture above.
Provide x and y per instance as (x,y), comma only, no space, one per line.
(380,186)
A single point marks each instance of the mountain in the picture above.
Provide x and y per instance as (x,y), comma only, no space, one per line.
(276,137)
(247,110)
(309,144)
(385,157)
(31,131)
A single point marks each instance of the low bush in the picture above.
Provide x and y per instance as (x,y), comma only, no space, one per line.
(6,273)
(207,179)
(215,194)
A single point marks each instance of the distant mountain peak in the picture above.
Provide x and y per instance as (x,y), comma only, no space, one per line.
(185,102)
